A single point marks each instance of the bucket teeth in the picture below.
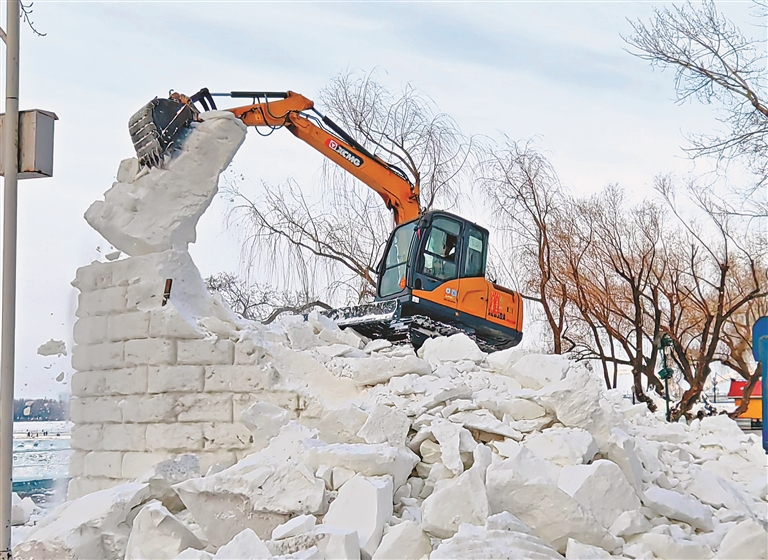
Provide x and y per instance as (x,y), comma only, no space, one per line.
(157,127)
(145,136)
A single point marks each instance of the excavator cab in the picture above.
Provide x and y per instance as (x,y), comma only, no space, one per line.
(431,281)
(426,253)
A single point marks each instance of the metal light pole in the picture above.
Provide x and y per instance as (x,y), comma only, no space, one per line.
(10,157)
(666,372)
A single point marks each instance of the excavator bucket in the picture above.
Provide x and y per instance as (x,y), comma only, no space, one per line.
(374,320)
(160,125)
(157,126)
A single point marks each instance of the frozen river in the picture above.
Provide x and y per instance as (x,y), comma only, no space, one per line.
(40,460)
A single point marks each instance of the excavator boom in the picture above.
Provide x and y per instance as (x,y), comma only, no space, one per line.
(156,128)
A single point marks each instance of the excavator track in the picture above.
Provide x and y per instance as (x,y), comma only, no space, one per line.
(422,327)
(382,320)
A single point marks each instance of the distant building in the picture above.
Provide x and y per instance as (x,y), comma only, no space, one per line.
(755,407)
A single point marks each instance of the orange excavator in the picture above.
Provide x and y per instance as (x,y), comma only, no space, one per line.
(431,279)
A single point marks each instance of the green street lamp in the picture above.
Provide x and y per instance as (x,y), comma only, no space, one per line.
(666,372)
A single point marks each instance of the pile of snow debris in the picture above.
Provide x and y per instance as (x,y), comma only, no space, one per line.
(449,454)
(361,449)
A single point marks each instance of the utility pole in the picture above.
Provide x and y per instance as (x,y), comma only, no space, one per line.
(10,160)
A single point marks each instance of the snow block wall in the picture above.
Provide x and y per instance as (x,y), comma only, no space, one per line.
(152,378)
(148,384)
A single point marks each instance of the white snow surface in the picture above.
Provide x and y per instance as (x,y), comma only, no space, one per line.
(381,453)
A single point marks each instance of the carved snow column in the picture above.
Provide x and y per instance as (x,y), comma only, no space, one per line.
(158,371)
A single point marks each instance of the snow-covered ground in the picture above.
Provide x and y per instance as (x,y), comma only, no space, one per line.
(449,454)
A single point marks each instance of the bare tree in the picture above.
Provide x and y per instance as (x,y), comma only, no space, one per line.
(259,303)
(528,201)
(715,277)
(714,62)
(737,338)
(333,242)
(404,129)
(611,260)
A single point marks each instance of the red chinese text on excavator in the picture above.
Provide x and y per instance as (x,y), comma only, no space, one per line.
(431,279)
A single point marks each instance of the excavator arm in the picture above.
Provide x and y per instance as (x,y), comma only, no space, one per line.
(398,193)
(157,126)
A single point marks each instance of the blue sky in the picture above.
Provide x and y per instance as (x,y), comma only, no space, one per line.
(554,71)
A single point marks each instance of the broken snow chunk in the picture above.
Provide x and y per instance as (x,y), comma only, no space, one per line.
(621,450)
(535,371)
(346,337)
(326,473)
(523,409)
(52,348)
(431,453)
(747,541)
(521,468)
(555,516)
(264,420)
(385,424)
(320,322)
(338,543)
(579,551)
(376,345)
(576,404)
(93,526)
(501,360)
(677,506)
(246,545)
(665,546)
(484,421)
(455,501)
(600,488)
(368,459)
(454,348)
(629,523)
(563,446)
(340,476)
(448,437)
(259,493)
(717,492)
(21,509)
(300,334)
(293,527)
(380,369)
(478,542)
(404,541)
(342,425)
(156,533)
(364,505)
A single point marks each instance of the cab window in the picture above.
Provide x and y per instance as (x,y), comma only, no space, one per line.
(395,262)
(441,250)
(474,260)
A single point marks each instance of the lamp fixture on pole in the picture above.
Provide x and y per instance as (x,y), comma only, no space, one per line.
(665,344)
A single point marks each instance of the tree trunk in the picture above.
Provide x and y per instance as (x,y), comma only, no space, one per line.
(639,393)
(690,396)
